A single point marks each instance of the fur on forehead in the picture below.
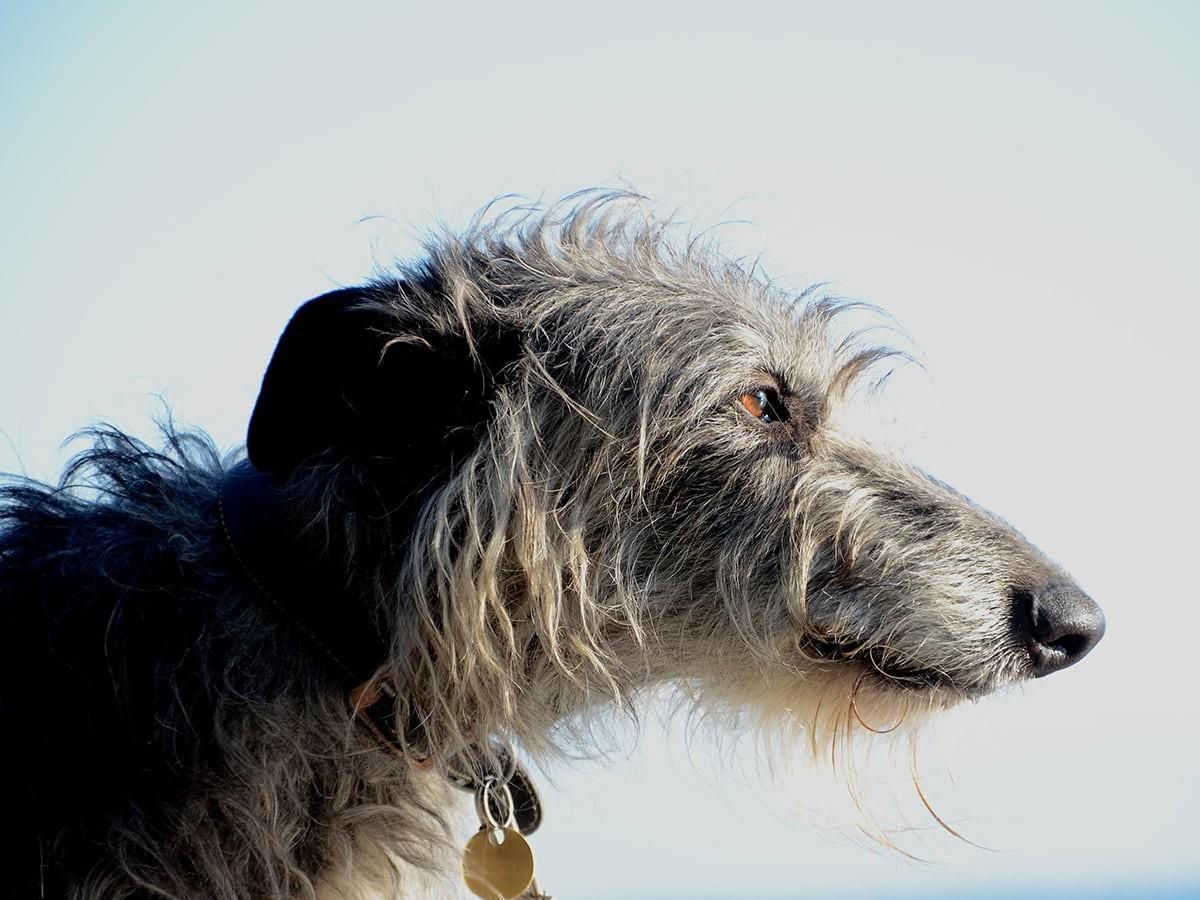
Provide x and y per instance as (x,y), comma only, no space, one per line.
(596,282)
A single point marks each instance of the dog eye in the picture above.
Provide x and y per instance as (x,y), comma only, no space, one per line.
(764,404)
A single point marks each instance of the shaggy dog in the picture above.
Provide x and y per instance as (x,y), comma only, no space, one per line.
(561,460)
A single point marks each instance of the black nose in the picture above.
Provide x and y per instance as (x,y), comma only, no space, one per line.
(1061,625)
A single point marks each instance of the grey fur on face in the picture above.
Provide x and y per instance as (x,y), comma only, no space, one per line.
(613,461)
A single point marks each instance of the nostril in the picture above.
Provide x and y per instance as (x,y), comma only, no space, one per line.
(1060,623)
(1073,645)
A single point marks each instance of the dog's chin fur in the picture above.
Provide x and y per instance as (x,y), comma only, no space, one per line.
(813,711)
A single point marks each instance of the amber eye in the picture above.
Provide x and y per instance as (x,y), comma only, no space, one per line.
(764,404)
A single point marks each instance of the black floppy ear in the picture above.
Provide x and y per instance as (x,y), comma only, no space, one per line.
(370,380)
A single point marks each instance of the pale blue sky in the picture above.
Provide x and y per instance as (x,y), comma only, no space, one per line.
(1016,183)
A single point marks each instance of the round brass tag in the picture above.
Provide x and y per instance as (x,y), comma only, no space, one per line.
(498,871)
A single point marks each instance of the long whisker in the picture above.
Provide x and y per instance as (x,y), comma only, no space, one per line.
(858,716)
(916,781)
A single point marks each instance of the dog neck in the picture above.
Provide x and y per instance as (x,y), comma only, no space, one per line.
(293,570)
(304,585)
(300,580)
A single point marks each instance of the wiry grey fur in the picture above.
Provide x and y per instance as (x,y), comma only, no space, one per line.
(621,522)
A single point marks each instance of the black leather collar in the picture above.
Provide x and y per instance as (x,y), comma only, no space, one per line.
(309,590)
(294,572)
(292,569)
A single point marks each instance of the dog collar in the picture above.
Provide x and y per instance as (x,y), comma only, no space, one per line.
(292,570)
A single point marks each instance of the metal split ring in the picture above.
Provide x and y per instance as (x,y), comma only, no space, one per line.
(494,803)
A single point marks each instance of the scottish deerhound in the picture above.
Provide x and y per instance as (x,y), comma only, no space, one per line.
(563,459)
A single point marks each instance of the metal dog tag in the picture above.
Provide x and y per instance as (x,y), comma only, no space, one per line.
(498,864)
